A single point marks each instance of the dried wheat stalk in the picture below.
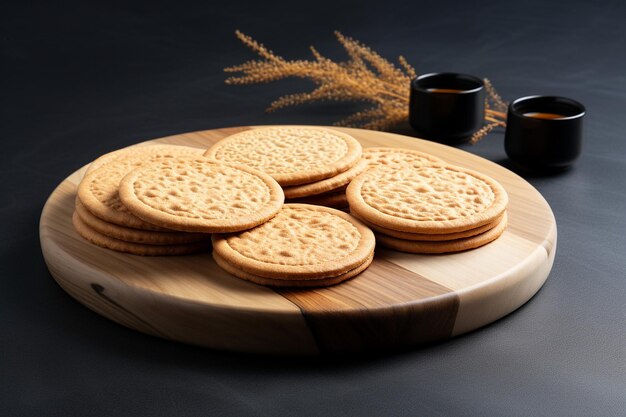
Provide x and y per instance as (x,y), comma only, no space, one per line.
(365,76)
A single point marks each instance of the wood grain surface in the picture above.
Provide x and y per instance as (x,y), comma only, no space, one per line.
(402,300)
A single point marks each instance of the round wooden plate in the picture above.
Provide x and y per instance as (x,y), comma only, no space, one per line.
(401,300)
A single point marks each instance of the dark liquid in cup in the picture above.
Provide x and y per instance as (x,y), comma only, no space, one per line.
(539,115)
(444,90)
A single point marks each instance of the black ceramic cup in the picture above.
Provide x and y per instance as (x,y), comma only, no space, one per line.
(447,107)
(544,132)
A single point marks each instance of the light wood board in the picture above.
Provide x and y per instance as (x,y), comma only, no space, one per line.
(402,300)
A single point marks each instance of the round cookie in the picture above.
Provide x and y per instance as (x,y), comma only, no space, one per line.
(147,237)
(322,282)
(107,242)
(434,199)
(328,185)
(429,236)
(413,246)
(98,190)
(106,158)
(129,151)
(292,155)
(302,242)
(200,195)
(381,156)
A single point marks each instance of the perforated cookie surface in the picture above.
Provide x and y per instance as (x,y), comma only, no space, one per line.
(385,156)
(290,154)
(302,241)
(99,190)
(426,198)
(131,151)
(200,195)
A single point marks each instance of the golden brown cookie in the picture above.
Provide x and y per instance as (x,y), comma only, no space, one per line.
(301,242)
(429,236)
(457,245)
(128,151)
(104,241)
(98,190)
(292,155)
(434,199)
(381,156)
(127,234)
(197,194)
(322,282)
(328,185)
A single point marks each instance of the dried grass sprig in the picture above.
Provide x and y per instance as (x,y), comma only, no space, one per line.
(365,76)
(494,100)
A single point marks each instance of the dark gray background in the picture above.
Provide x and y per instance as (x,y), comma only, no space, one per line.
(78,80)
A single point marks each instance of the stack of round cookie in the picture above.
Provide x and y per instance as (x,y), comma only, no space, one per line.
(101,218)
(313,165)
(432,208)
(167,200)
(164,199)
(302,246)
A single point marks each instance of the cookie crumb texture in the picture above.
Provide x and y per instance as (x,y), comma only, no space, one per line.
(98,190)
(298,236)
(427,193)
(283,150)
(200,189)
(105,186)
(398,156)
(292,155)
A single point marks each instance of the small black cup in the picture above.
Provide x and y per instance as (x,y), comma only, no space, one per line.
(447,107)
(544,133)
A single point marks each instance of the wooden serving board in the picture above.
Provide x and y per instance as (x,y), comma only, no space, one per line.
(401,300)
